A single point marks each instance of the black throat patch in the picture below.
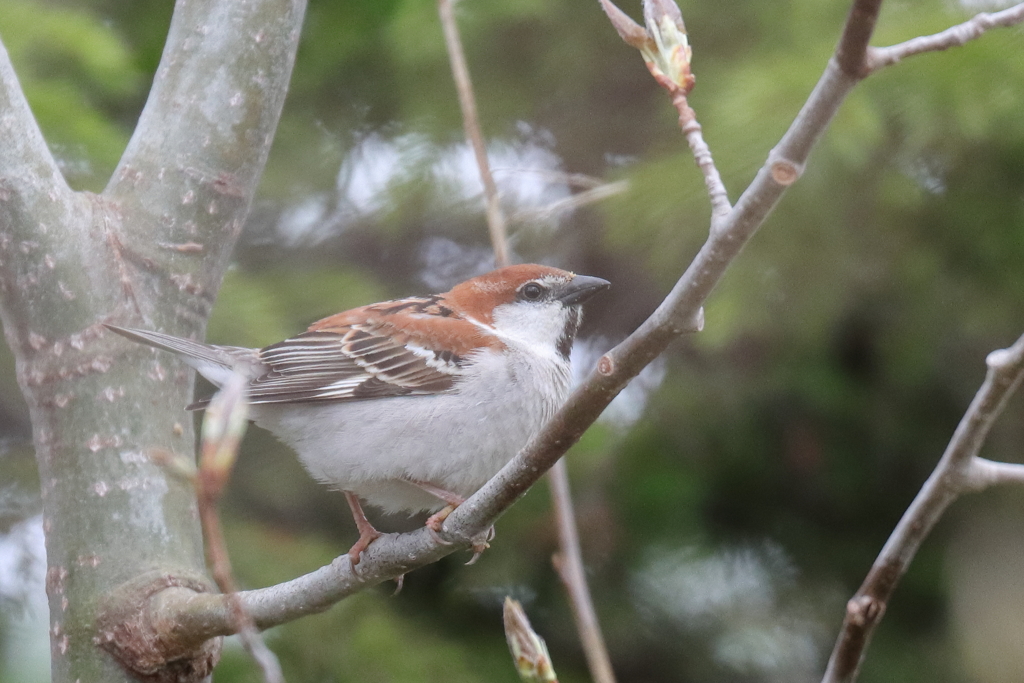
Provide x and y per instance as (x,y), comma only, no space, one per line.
(572,326)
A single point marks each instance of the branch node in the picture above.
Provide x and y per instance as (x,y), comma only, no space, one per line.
(694,323)
(864,610)
(785,172)
(697,324)
(999,359)
(129,628)
(606,365)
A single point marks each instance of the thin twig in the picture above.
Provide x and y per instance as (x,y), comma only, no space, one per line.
(569,564)
(471,124)
(667,53)
(220,567)
(957,473)
(982,473)
(223,427)
(955,36)
(572,202)
(581,180)
(576,583)
(693,132)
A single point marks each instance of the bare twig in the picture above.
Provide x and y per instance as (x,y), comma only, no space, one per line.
(666,51)
(569,564)
(572,202)
(959,471)
(982,473)
(581,180)
(693,132)
(223,427)
(579,593)
(881,57)
(471,123)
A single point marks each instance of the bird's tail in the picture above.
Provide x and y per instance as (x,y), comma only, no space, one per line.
(215,363)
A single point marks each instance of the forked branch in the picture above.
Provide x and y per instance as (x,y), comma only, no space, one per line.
(959,471)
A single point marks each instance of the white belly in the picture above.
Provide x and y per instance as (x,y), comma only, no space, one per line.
(456,441)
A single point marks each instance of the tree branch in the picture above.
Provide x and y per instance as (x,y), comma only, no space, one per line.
(881,57)
(29,175)
(982,473)
(39,215)
(471,124)
(569,565)
(192,165)
(959,471)
(851,52)
(70,261)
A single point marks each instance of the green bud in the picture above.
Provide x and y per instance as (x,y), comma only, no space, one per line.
(529,652)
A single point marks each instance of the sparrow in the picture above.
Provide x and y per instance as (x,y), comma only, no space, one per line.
(412,404)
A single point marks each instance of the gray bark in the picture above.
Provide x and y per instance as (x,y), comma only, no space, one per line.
(149,251)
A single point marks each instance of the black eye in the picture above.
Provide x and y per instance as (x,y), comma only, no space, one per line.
(531,291)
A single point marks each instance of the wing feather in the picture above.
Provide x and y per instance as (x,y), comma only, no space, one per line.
(399,348)
(364,361)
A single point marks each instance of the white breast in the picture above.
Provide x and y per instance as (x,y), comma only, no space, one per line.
(456,440)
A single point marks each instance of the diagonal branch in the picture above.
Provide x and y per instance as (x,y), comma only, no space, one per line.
(28,172)
(471,123)
(204,135)
(955,36)
(957,473)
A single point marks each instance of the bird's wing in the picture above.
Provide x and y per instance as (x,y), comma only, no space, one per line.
(361,363)
(362,356)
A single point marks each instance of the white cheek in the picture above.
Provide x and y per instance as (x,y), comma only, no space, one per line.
(537,327)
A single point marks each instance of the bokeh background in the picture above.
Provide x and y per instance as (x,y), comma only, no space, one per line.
(735,497)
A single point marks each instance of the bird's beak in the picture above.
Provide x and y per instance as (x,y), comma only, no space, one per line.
(580,288)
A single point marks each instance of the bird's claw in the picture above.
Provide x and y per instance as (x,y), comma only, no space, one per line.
(480,544)
(366,537)
(436,521)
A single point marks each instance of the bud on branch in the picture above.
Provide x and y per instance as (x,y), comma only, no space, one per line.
(663,44)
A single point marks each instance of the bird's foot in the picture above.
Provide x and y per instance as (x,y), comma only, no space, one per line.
(480,544)
(367,533)
(366,537)
(436,520)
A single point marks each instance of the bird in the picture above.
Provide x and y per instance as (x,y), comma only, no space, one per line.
(411,405)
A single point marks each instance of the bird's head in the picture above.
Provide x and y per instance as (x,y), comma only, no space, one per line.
(532,306)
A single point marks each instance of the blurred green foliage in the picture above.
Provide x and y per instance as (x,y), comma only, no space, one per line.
(784,441)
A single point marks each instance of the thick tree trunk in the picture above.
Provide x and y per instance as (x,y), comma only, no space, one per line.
(149,251)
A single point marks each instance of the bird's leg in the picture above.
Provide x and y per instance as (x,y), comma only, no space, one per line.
(367,534)
(453,501)
(435,520)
